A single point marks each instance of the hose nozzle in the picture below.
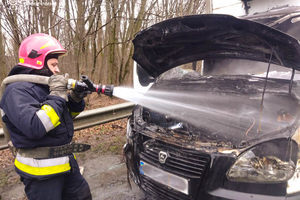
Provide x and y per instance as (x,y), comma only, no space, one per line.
(86,85)
(108,90)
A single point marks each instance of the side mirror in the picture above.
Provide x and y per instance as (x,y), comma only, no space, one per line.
(144,78)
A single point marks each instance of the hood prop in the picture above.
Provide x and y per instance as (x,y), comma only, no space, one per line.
(292,79)
(263,94)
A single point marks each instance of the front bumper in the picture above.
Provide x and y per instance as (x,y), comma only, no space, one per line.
(205,174)
(234,195)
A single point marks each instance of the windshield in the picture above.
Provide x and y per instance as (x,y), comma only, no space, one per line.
(241,67)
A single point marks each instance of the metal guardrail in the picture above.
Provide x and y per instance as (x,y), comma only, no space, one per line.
(91,118)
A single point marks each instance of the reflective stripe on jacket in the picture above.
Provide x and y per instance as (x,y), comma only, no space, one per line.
(48,117)
(42,167)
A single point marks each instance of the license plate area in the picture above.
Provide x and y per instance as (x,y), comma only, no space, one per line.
(171,180)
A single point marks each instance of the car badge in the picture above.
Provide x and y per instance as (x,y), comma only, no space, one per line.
(162,157)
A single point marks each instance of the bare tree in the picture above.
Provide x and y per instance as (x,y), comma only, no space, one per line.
(2,51)
(96,33)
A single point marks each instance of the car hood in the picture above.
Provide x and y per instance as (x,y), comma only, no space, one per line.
(176,41)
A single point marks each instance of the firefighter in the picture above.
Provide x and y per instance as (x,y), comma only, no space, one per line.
(39,120)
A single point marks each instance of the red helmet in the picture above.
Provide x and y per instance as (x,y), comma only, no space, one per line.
(34,49)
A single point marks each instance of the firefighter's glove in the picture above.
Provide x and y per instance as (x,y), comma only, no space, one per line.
(58,85)
(78,95)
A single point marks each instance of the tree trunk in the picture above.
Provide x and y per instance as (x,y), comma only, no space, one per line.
(2,52)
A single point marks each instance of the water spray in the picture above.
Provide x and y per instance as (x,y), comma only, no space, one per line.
(86,85)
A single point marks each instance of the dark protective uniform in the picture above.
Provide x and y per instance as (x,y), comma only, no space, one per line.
(36,119)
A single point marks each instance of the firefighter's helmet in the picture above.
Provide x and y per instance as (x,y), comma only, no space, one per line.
(34,49)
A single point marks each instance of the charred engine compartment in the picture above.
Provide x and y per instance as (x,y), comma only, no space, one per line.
(224,111)
(186,143)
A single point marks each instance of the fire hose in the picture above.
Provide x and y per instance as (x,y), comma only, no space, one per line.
(85,85)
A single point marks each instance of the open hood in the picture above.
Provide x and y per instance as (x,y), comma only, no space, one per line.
(198,37)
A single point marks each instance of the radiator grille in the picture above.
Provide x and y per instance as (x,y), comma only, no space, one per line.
(186,163)
(183,163)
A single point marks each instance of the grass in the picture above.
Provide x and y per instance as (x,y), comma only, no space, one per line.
(8,178)
(3,179)
(113,145)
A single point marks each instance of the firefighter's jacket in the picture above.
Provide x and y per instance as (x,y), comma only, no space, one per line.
(36,119)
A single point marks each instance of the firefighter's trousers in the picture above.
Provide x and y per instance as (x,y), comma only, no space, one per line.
(62,187)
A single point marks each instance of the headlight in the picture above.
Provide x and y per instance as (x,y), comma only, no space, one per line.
(268,162)
(128,129)
(129,132)
(294,182)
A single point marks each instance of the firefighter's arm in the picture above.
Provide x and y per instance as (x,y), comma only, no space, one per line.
(76,103)
(32,118)
(75,108)
(51,111)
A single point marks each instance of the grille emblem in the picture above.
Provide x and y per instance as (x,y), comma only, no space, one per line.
(162,157)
